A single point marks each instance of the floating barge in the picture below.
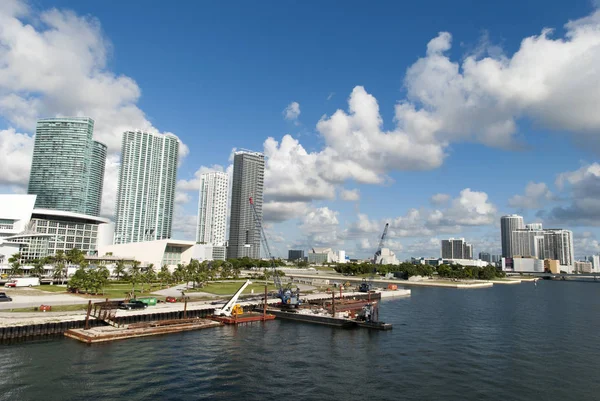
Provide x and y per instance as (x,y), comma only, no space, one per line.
(247,317)
(319,318)
(111,333)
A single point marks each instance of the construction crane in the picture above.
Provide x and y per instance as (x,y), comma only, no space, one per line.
(288,297)
(231,308)
(381,242)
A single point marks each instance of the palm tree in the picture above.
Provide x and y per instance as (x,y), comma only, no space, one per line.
(134,275)
(38,268)
(164,275)
(119,269)
(60,271)
(15,265)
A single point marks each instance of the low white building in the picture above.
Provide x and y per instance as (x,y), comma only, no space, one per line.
(37,233)
(162,252)
(386,257)
(467,262)
(583,267)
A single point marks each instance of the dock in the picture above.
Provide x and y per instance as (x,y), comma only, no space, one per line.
(111,333)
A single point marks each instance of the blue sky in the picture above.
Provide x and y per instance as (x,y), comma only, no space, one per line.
(220,75)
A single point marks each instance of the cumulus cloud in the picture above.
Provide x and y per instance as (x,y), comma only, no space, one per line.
(59,67)
(555,82)
(470,208)
(440,199)
(277,212)
(292,112)
(350,194)
(583,189)
(536,195)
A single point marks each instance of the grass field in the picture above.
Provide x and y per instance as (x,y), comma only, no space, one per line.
(57,308)
(226,288)
(110,291)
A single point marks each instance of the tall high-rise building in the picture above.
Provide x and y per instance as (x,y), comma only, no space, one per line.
(212,208)
(508,224)
(146,191)
(558,245)
(528,242)
(297,254)
(67,168)
(485,256)
(456,249)
(248,181)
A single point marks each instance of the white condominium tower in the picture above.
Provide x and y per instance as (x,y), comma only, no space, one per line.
(146,194)
(508,224)
(248,181)
(212,208)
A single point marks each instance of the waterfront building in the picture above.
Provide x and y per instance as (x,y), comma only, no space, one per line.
(552,266)
(247,182)
(528,242)
(583,267)
(531,265)
(456,249)
(485,256)
(35,233)
(67,167)
(508,224)
(558,244)
(295,254)
(146,189)
(163,252)
(212,208)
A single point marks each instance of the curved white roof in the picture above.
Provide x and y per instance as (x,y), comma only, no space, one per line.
(72,215)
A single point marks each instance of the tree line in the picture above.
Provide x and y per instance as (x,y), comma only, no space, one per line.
(409,269)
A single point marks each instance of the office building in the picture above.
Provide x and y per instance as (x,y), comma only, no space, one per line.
(67,167)
(486,257)
(456,249)
(146,189)
(295,254)
(508,224)
(248,181)
(212,208)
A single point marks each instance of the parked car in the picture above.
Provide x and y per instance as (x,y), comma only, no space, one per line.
(4,297)
(171,299)
(133,304)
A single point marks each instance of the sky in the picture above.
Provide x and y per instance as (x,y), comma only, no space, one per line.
(435,117)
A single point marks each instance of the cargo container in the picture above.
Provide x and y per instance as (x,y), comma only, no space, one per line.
(150,301)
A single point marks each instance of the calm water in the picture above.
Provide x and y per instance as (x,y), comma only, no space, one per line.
(516,342)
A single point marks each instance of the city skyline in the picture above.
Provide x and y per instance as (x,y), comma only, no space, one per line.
(338,137)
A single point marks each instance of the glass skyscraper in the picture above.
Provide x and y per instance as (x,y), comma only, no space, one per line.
(146,194)
(248,182)
(67,168)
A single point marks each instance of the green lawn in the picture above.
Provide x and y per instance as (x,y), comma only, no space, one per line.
(226,288)
(110,291)
(57,308)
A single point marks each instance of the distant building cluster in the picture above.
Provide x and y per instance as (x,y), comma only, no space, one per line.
(525,247)
(456,249)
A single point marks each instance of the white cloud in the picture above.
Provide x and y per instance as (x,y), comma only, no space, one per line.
(440,199)
(282,211)
(583,189)
(193,184)
(292,112)
(536,195)
(292,174)
(555,82)
(15,163)
(58,66)
(350,194)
